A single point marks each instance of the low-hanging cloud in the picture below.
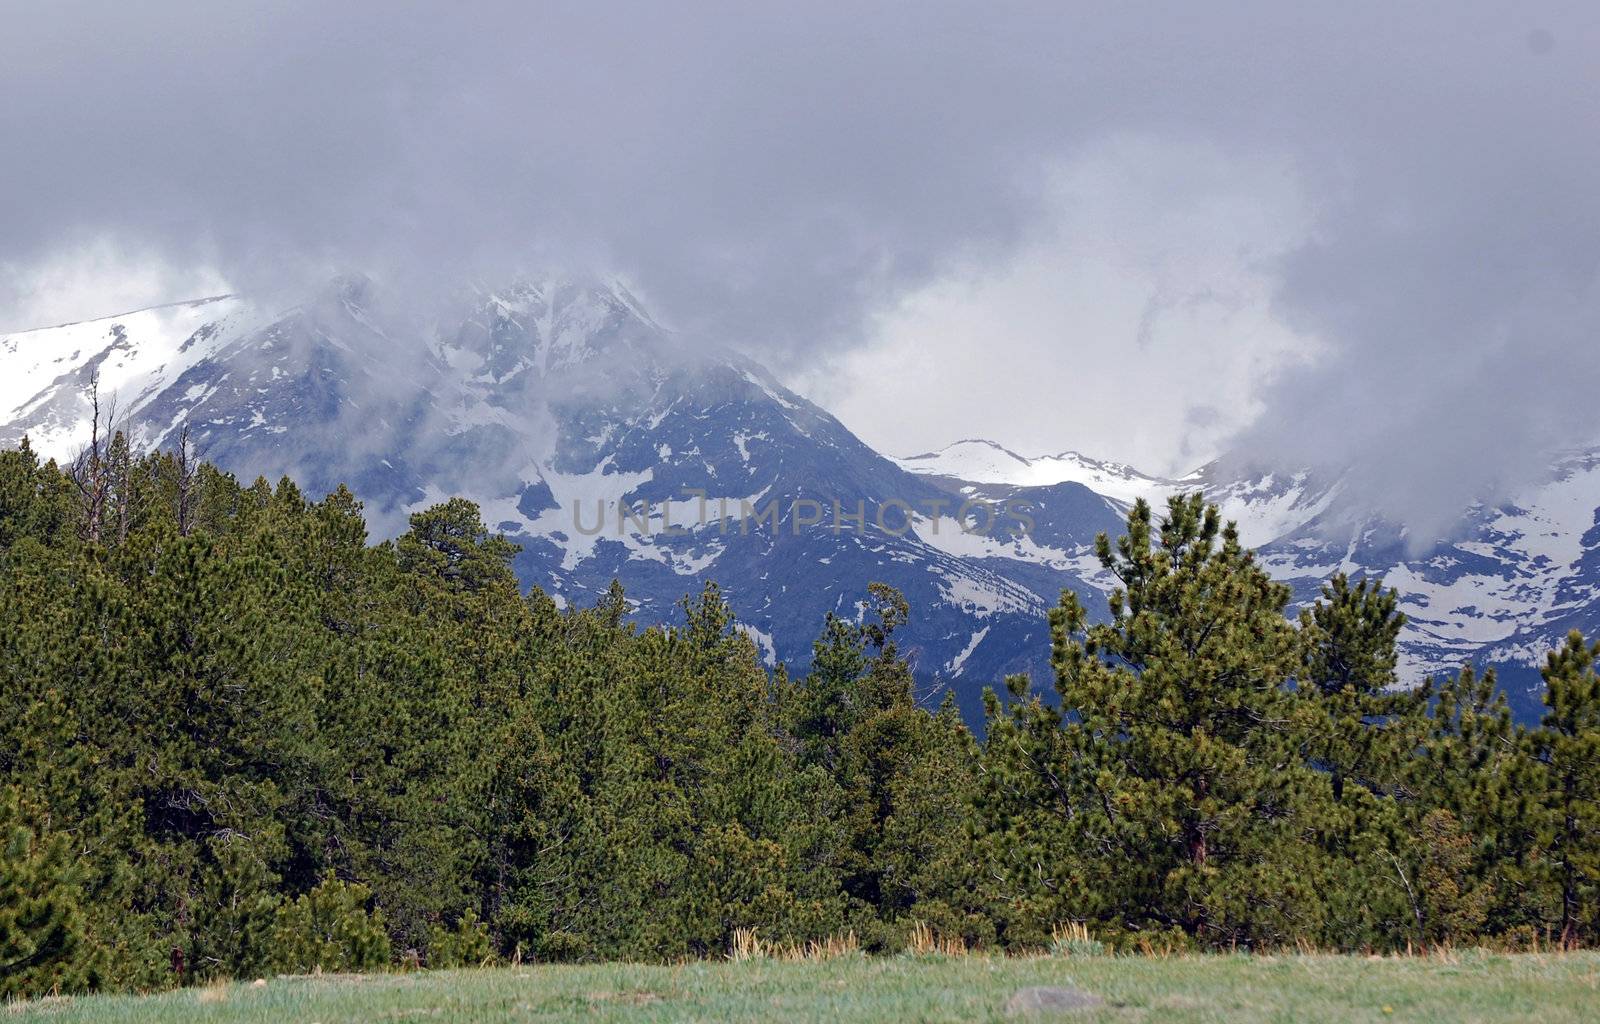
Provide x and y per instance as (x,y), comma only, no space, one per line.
(777,178)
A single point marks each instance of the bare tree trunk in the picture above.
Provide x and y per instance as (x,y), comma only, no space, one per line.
(184,460)
(89,468)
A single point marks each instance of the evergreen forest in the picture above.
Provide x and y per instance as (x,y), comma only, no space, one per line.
(239,737)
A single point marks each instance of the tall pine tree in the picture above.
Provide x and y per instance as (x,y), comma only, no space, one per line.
(1168,794)
(1568,746)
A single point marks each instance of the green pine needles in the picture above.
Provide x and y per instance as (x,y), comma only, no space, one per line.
(41,925)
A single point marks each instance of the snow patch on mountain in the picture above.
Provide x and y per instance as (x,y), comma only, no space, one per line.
(134,356)
(953,667)
(971,541)
(763,641)
(986,462)
(1267,507)
(985,594)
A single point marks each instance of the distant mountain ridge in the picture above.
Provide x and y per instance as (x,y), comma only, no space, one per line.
(1507,588)
(1264,506)
(607,446)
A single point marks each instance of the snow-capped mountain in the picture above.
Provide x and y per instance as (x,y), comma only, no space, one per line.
(1503,591)
(982,461)
(1266,506)
(603,444)
(608,447)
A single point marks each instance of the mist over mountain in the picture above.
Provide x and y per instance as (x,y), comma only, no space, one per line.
(610,447)
(1327,235)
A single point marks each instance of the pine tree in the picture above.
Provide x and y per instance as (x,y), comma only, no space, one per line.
(450,544)
(1453,897)
(41,925)
(1170,795)
(903,777)
(642,805)
(1568,745)
(1473,763)
(422,632)
(35,501)
(1360,730)
(329,929)
(925,850)
(1365,727)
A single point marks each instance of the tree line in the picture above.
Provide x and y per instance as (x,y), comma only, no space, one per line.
(236,737)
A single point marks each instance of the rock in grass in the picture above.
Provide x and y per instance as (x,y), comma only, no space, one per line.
(1050,999)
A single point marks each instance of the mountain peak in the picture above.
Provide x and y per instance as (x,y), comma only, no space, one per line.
(560,406)
(983,461)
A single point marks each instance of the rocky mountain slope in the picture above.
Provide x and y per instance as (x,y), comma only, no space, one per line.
(608,447)
(1506,587)
(603,444)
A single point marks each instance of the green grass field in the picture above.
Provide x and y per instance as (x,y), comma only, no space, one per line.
(1467,987)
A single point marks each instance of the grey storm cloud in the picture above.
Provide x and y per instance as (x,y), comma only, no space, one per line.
(773,175)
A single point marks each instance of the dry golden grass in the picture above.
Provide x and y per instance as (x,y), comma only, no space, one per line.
(1069,932)
(748,945)
(925,941)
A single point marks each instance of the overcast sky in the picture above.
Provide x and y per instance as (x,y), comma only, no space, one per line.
(1342,233)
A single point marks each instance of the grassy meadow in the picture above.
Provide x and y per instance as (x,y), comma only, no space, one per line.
(1551,989)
